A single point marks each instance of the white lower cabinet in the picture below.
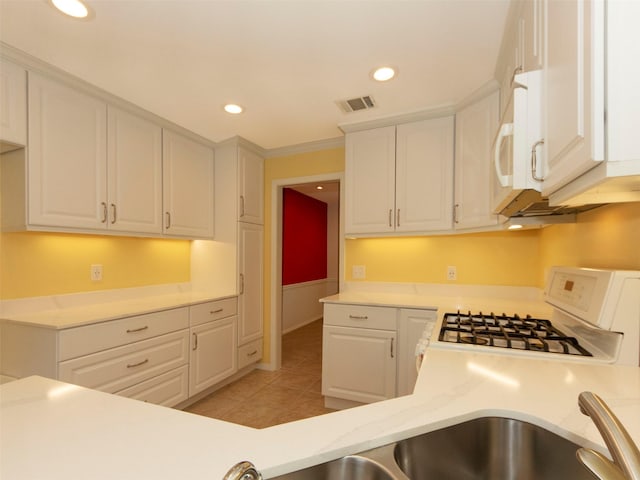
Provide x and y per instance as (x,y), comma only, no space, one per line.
(213,353)
(358,364)
(168,389)
(118,368)
(368,352)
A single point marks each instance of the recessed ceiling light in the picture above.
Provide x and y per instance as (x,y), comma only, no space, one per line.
(73,8)
(319,187)
(383,74)
(515,226)
(233,108)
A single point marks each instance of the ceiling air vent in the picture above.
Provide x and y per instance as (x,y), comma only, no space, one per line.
(356,104)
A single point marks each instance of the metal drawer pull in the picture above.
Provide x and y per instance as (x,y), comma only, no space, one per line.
(216,311)
(358,317)
(134,330)
(132,365)
(252,353)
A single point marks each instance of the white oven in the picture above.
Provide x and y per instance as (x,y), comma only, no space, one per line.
(595,318)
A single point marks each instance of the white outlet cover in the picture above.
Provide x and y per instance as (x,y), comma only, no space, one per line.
(359,272)
(96,273)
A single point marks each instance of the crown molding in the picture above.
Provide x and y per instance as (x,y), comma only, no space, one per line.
(315,146)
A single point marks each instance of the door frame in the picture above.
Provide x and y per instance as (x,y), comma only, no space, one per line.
(275,313)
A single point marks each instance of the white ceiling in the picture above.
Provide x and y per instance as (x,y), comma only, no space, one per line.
(286,62)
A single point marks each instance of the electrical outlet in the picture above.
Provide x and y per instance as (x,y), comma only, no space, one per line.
(359,272)
(452,273)
(96,273)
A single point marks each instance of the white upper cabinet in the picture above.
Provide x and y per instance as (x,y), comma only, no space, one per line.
(568,90)
(251,186)
(400,179)
(531,35)
(370,180)
(188,193)
(424,175)
(134,173)
(13,106)
(476,125)
(67,174)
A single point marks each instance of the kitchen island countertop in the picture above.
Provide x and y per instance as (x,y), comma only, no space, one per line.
(53,430)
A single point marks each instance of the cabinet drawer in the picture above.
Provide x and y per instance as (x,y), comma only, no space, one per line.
(88,339)
(249,353)
(116,369)
(168,389)
(205,312)
(380,318)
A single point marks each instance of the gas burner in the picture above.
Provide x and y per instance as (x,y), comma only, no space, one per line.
(510,332)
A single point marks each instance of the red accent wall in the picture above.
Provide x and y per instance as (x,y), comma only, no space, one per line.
(304,238)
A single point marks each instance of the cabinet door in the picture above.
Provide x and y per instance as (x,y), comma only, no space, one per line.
(213,353)
(251,179)
(531,34)
(358,364)
(568,92)
(412,324)
(134,173)
(424,175)
(370,181)
(476,125)
(67,156)
(187,187)
(250,260)
(13,106)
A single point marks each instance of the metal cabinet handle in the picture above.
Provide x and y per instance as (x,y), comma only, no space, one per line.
(168,218)
(534,161)
(392,347)
(104,212)
(241,205)
(358,317)
(455,213)
(390,213)
(398,218)
(134,330)
(241,283)
(113,213)
(195,341)
(212,312)
(132,365)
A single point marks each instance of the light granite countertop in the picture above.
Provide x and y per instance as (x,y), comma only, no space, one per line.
(53,430)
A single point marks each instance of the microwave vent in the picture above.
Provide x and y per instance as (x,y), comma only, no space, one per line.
(356,104)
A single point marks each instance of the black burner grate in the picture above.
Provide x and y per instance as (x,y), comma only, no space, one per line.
(505,331)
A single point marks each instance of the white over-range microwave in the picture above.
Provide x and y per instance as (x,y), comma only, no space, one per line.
(516,156)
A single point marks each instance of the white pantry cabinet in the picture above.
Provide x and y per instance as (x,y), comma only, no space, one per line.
(188,187)
(214,332)
(13,106)
(359,353)
(67,157)
(476,125)
(251,186)
(400,178)
(250,267)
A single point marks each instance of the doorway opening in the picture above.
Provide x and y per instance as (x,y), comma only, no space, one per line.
(294,303)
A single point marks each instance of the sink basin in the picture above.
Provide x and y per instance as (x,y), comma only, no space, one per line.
(352,467)
(490,448)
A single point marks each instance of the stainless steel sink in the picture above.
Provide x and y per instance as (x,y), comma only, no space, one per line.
(352,467)
(490,448)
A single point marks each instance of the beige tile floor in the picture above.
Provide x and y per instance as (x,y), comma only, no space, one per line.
(263,398)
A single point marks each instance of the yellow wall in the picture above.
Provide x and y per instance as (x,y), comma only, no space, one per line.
(299,165)
(34,264)
(480,258)
(606,237)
